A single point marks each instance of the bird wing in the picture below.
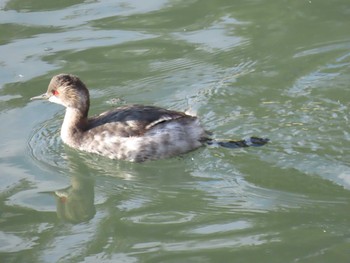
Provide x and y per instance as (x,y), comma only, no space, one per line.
(133,120)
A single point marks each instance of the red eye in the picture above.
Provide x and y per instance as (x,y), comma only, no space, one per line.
(55,92)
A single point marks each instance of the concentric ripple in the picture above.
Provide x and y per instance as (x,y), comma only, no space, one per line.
(45,146)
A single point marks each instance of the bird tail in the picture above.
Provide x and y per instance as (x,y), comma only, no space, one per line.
(252,141)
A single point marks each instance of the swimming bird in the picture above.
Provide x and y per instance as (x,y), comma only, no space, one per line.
(134,133)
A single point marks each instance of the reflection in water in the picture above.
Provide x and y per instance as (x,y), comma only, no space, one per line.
(76,202)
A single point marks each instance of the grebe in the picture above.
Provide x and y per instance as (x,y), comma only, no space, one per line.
(133,133)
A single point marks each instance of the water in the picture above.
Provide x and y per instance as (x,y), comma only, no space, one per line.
(278,69)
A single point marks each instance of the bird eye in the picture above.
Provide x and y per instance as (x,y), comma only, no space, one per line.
(55,93)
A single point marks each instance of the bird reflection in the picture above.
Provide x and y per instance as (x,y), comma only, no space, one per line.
(75,203)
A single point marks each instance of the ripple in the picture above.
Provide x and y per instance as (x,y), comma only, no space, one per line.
(324,48)
(221,228)
(10,243)
(215,37)
(164,218)
(190,246)
(45,146)
(76,14)
(333,71)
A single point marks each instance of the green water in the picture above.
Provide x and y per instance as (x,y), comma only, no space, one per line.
(277,69)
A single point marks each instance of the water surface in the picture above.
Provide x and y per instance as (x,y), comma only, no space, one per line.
(266,68)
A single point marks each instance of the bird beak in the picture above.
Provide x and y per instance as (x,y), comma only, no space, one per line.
(40,97)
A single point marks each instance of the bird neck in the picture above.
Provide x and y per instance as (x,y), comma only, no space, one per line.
(74,124)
